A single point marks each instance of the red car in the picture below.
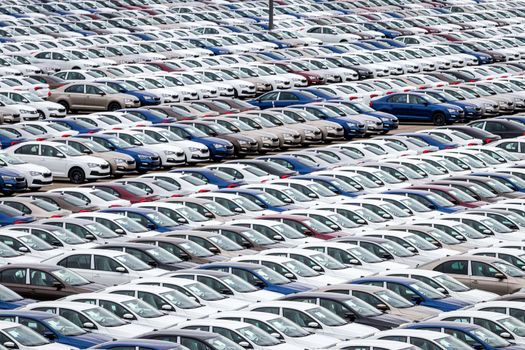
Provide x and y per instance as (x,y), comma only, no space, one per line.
(130,193)
(306,226)
(166,66)
(312,78)
(454,195)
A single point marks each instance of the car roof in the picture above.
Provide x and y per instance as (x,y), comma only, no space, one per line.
(412,332)
(283,303)
(182,333)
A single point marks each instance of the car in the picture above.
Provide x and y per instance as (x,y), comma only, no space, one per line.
(210,340)
(92,196)
(129,193)
(283,99)
(415,291)
(141,343)
(91,318)
(63,201)
(78,169)
(422,338)
(85,229)
(147,217)
(55,328)
(501,127)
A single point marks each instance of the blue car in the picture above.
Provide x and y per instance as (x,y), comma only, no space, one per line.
(472,111)
(262,199)
(149,115)
(260,277)
(476,336)
(149,218)
(219,148)
(55,328)
(78,125)
(268,38)
(284,98)
(432,140)
(301,165)
(389,33)
(142,344)
(322,94)
(7,139)
(482,58)
(213,45)
(145,98)
(11,181)
(415,291)
(210,176)
(146,160)
(415,106)
(333,184)
(10,300)
(509,180)
(351,127)
(430,200)
(390,121)
(11,216)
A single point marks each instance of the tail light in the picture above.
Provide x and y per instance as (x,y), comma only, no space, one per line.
(505,76)
(390,92)
(455,83)
(91,132)
(472,81)
(370,103)
(115,205)
(488,140)
(232,185)
(406,90)
(176,195)
(116,129)
(48,93)
(14,142)
(140,126)
(489,78)
(422,87)
(166,121)
(84,211)
(284,176)
(440,85)
(40,139)
(449,147)
(66,135)
(144,200)
(427,151)
(202,190)
(373,95)
(18,222)
(185,119)
(264,180)
(37,88)
(56,216)
(352,98)
(473,143)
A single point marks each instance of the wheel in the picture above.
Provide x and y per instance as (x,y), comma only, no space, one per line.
(113,106)
(343,41)
(65,105)
(41,115)
(77,175)
(439,119)
(75,68)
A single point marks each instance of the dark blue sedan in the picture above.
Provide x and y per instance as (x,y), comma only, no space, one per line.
(11,300)
(11,181)
(429,199)
(55,328)
(142,344)
(78,125)
(11,216)
(149,115)
(145,98)
(432,140)
(149,218)
(472,111)
(284,99)
(210,176)
(262,199)
(414,106)
(301,165)
(9,139)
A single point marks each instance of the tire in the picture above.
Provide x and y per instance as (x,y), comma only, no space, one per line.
(343,41)
(439,119)
(113,106)
(41,115)
(75,68)
(77,175)
(65,105)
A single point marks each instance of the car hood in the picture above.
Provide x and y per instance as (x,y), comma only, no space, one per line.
(91,287)
(91,339)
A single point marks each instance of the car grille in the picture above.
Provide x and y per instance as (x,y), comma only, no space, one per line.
(296,136)
(20,179)
(379,123)
(104,166)
(253,143)
(317,133)
(156,98)
(46,174)
(360,126)
(180,154)
(229,147)
(204,151)
(275,139)
(154,158)
(62,110)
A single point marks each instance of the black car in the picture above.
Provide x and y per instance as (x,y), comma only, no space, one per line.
(269,167)
(151,255)
(245,237)
(506,129)
(190,338)
(350,308)
(477,133)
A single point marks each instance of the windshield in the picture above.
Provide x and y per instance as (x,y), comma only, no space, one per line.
(64,326)
(365,256)
(142,308)
(326,317)
(70,277)
(100,230)
(495,226)
(287,327)
(393,299)
(287,231)
(426,290)
(204,292)
(238,284)
(258,337)
(361,308)
(25,336)
(7,294)
(327,261)
(396,249)
(419,242)
(160,219)
(131,225)
(225,243)
(451,343)
(299,268)
(35,243)
(490,338)
(179,300)
(451,283)
(191,215)
(509,269)
(163,255)
(271,276)
(223,343)
(104,317)
(195,249)
(132,262)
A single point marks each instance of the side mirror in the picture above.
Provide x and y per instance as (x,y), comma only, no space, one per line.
(334,227)
(387,256)
(417,300)
(58,285)
(313,325)
(354,262)
(412,249)
(87,151)
(50,335)
(360,221)
(350,316)
(88,325)
(287,200)
(278,238)
(312,195)
(10,345)
(459,238)
(23,249)
(276,335)
(120,231)
(209,215)
(290,276)
(214,250)
(500,276)
(442,290)
(128,317)
(382,307)
(182,221)
(505,335)
(226,291)
(90,237)
(184,256)
(487,232)
(60,155)
(153,263)
(387,216)
(167,307)
(260,284)
(317,268)
(244,344)
(238,210)
(151,226)
(102,93)
(120,269)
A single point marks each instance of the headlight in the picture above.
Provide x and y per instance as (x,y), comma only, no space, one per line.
(370,122)
(452,110)
(330,128)
(34,173)
(487,104)
(308,131)
(470,108)
(148,98)
(194,149)
(8,178)
(142,157)
(517,99)
(218,145)
(93,165)
(129,100)
(502,103)
(120,161)
(169,152)
(287,135)
(52,109)
(266,138)
(352,125)
(25,111)
(243,142)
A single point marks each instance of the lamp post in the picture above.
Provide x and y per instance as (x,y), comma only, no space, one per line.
(270,16)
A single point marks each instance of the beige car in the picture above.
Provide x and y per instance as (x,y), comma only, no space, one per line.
(384,300)
(91,97)
(38,208)
(481,272)
(120,163)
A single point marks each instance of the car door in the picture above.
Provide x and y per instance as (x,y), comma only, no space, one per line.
(397,105)
(54,160)
(95,98)
(268,100)
(459,269)
(30,153)
(105,271)
(418,107)
(17,279)
(285,99)
(302,319)
(483,276)
(45,285)
(498,129)
(75,95)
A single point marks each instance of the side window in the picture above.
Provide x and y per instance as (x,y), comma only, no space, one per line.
(48,151)
(269,96)
(367,298)
(77,89)
(152,299)
(228,334)
(17,276)
(484,270)
(114,308)
(458,267)
(76,262)
(398,99)
(34,325)
(140,255)
(298,317)
(517,313)
(491,326)
(31,150)
(424,344)
(401,290)
(462,336)
(103,263)
(247,276)
(75,317)
(41,278)
(509,146)
(287,96)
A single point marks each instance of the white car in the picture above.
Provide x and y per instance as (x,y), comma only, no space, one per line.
(195,290)
(37,176)
(330,34)
(18,336)
(165,299)
(275,230)
(118,224)
(28,244)
(91,318)
(25,111)
(445,284)
(339,224)
(514,257)
(54,236)
(170,154)
(236,203)
(55,60)
(311,189)
(156,187)
(62,160)
(184,182)
(247,173)
(195,152)
(373,344)
(487,226)
(316,319)
(49,128)
(424,338)
(319,261)
(101,199)
(107,267)
(128,308)
(45,109)
(292,269)
(281,328)
(454,136)
(181,214)
(353,255)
